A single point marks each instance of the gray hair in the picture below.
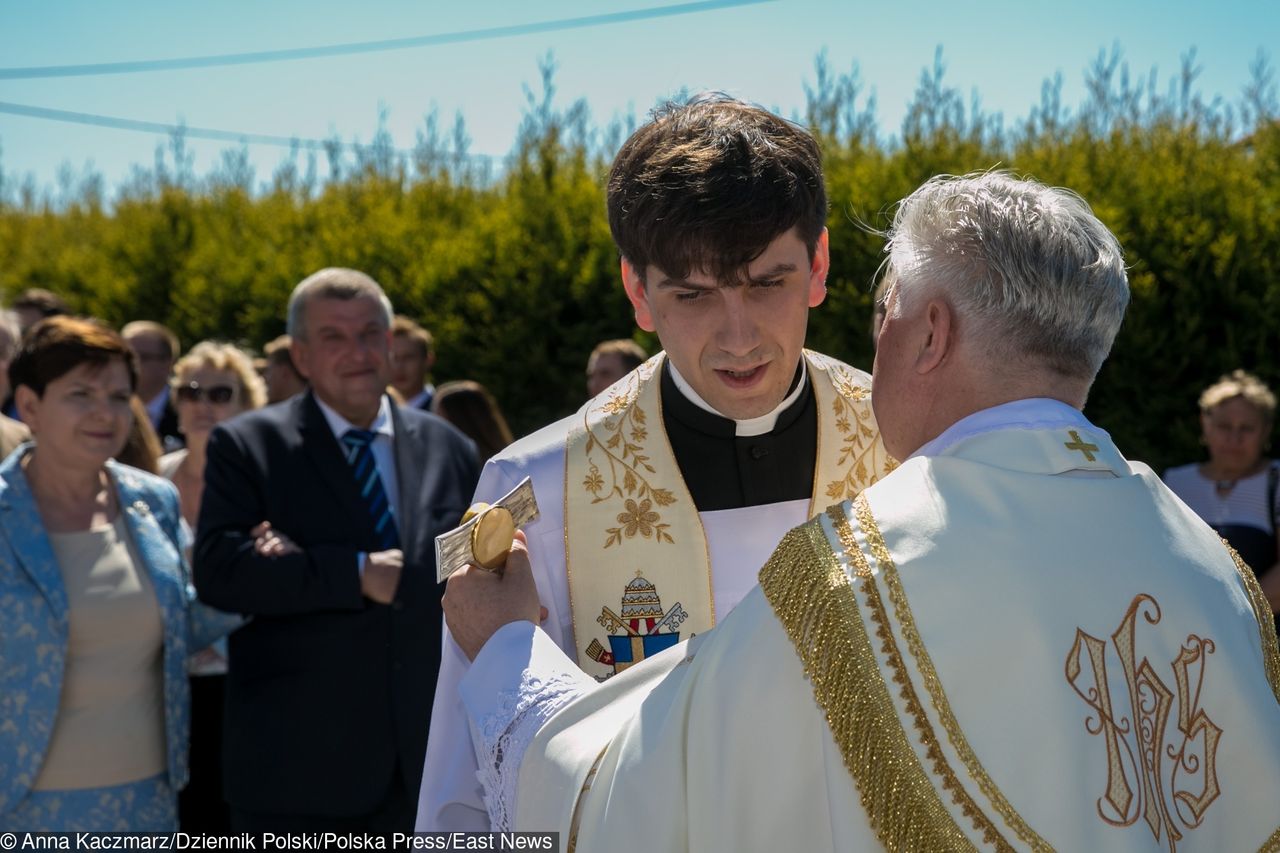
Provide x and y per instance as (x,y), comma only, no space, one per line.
(1246,386)
(1029,268)
(332,283)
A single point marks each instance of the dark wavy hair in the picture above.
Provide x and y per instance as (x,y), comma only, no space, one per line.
(472,409)
(707,186)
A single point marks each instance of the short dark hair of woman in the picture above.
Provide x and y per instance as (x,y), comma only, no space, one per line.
(58,345)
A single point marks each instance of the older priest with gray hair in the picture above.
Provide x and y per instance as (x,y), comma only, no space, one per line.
(1018,639)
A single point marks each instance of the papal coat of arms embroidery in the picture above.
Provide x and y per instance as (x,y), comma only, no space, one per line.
(641,631)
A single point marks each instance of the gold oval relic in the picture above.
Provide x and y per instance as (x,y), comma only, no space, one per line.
(474,510)
(492,537)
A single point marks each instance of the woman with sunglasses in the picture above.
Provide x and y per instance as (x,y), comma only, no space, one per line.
(211,383)
(96,608)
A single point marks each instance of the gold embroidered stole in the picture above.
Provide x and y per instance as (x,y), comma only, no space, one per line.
(633,537)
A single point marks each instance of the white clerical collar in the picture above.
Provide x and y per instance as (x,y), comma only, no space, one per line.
(750,426)
(1033,413)
(381,423)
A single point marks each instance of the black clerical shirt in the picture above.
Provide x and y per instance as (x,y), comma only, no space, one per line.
(724,471)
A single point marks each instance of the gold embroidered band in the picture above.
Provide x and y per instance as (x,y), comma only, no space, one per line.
(933,684)
(1266,624)
(811,596)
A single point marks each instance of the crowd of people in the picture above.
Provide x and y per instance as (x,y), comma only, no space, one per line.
(122,726)
(218,593)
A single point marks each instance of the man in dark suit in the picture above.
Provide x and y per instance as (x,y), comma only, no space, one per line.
(413,354)
(318,520)
(157,348)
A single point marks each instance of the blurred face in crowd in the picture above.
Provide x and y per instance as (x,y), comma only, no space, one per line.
(155,363)
(346,355)
(738,346)
(1236,432)
(282,381)
(408,366)
(204,398)
(84,417)
(604,370)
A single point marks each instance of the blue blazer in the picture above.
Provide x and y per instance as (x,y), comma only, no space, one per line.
(34,621)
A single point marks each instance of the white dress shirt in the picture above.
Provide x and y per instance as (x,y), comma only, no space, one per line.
(381,447)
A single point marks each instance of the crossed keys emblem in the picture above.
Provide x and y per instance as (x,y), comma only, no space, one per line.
(1153,774)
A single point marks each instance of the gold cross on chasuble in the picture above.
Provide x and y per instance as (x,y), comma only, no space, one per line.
(1077,443)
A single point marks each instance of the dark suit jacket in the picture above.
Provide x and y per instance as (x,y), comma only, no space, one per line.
(171,438)
(425,405)
(328,693)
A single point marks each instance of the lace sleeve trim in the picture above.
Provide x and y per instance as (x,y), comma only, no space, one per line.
(503,736)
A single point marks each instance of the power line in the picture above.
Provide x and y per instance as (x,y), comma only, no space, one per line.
(202,132)
(28,73)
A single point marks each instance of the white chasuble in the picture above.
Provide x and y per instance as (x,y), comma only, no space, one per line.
(636,552)
(1024,643)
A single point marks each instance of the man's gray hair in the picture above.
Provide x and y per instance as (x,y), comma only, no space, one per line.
(332,283)
(1029,269)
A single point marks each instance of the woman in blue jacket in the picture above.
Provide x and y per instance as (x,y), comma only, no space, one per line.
(96,611)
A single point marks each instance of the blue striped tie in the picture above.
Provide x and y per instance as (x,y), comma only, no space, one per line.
(359,455)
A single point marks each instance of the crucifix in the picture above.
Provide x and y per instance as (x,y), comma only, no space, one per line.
(1077,443)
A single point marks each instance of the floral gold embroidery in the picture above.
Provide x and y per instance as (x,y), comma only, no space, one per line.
(593,482)
(620,445)
(1136,743)
(638,518)
(859,446)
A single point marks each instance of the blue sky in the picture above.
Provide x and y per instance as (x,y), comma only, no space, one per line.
(763,52)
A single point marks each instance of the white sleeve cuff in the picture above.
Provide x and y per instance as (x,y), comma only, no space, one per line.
(517,682)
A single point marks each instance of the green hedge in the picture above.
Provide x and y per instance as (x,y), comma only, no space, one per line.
(517,276)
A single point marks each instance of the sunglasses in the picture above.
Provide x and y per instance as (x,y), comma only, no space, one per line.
(193,393)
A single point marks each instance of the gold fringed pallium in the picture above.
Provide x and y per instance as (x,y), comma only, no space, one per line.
(929,674)
(893,656)
(811,596)
(1266,624)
